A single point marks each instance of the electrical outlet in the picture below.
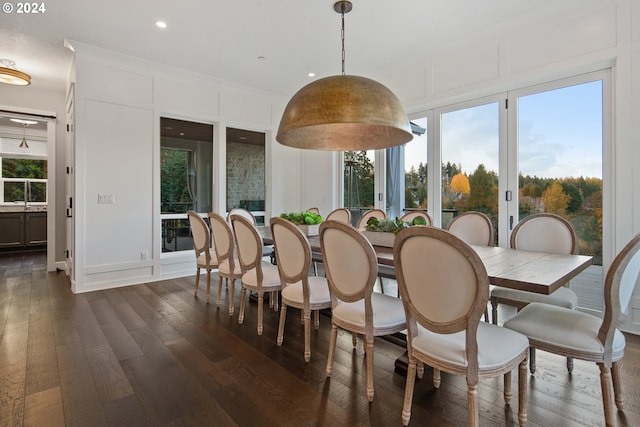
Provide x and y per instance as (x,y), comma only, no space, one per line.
(107,199)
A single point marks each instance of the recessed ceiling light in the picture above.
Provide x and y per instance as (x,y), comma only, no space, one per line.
(25,122)
(311,74)
(161,24)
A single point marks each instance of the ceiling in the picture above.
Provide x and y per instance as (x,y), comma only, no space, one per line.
(227,38)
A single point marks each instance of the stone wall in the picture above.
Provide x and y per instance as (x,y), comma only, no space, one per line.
(245,173)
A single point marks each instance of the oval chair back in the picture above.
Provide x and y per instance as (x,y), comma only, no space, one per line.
(475,228)
(340,214)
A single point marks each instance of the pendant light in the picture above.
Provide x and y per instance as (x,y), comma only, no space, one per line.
(24,144)
(10,75)
(344,112)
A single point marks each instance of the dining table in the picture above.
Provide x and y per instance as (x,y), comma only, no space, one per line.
(530,271)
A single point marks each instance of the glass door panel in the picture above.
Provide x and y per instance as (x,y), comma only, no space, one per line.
(470,141)
(359,182)
(560,159)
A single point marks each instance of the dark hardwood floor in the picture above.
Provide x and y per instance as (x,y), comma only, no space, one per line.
(154,355)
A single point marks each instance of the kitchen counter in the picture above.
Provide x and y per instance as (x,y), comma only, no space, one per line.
(20,208)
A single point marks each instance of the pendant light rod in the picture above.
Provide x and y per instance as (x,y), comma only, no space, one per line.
(342,7)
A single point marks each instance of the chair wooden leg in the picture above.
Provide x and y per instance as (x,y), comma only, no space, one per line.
(436,378)
(243,298)
(231,294)
(369,355)
(316,319)
(532,360)
(332,348)
(617,385)
(260,310)
(507,387)
(607,397)
(307,336)
(381,285)
(486,314)
(570,365)
(195,291)
(408,392)
(420,369)
(208,284)
(472,401)
(494,311)
(522,392)
(274,295)
(283,316)
(219,290)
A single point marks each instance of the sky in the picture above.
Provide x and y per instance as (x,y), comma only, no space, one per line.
(559,135)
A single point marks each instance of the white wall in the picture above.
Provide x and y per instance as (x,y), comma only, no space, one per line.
(118,104)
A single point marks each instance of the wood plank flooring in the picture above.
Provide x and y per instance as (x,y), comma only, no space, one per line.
(154,355)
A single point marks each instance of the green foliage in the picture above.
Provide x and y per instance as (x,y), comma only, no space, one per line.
(24,168)
(387,225)
(174,184)
(359,178)
(575,198)
(302,218)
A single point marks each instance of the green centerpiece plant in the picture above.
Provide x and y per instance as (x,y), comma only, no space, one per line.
(302,218)
(392,225)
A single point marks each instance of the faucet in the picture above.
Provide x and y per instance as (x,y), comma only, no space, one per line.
(27,194)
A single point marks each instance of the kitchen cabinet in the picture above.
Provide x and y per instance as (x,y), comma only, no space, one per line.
(20,230)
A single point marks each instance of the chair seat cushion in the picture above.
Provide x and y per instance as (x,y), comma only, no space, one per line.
(318,292)
(388,312)
(202,260)
(565,328)
(496,346)
(224,267)
(270,277)
(562,297)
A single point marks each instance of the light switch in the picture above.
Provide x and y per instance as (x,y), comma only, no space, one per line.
(107,199)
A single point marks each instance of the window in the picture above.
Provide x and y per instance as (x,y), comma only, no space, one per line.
(186,176)
(245,171)
(359,182)
(23,181)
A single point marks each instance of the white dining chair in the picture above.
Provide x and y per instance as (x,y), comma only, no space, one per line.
(543,232)
(340,214)
(579,335)
(314,210)
(475,228)
(257,275)
(445,288)
(299,290)
(205,255)
(351,266)
(228,268)
(242,212)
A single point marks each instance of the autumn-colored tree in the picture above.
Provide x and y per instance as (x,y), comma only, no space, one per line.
(555,200)
(460,184)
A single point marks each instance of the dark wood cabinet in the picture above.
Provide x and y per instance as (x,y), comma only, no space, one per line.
(23,229)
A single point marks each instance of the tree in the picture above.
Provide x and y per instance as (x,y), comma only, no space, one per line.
(575,198)
(358,163)
(481,183)
(555,200)
(460,184)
